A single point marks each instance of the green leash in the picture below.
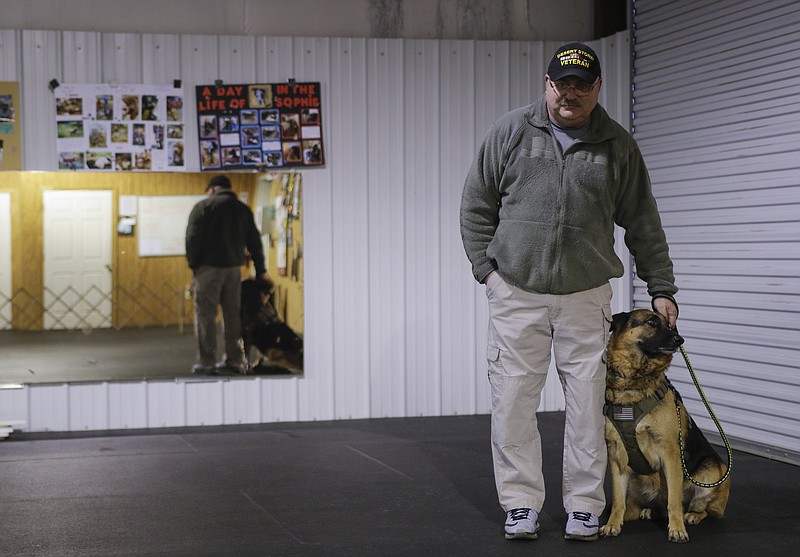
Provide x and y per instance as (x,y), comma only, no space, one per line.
(716,422)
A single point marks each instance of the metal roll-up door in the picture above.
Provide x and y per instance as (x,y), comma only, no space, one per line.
(717,117)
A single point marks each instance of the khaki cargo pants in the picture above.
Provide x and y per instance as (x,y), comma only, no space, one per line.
(523,327)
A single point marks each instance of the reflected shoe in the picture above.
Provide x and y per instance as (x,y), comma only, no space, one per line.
(522,524)
(582,526)
(203,370)
(223,368)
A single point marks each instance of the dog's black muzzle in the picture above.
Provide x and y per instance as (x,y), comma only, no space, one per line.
(666,341)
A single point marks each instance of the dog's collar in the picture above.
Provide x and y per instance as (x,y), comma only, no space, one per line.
(625,417)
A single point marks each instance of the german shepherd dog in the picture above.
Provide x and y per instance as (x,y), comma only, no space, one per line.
(280,347)
(646,471)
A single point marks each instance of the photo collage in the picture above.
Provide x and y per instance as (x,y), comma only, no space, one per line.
(120,128)
(10,141)
(259,126)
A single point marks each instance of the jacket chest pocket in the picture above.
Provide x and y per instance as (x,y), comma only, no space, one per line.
(538,148)
(592,176)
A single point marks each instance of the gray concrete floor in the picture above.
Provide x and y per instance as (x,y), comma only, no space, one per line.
(99,355)
(348,488)
(360,488)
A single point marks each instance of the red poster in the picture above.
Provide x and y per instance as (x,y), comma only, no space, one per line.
(259,126)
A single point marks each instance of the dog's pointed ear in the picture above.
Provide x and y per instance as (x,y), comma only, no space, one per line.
(618,320)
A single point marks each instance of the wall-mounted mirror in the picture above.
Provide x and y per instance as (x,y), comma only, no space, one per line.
(94,284)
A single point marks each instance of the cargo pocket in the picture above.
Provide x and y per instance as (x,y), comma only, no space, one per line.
(607,318)
(496,376)
(493,359)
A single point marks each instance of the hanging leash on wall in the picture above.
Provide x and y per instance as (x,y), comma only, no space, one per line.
(716,423)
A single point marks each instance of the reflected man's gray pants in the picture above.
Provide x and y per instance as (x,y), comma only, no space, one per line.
(214,287)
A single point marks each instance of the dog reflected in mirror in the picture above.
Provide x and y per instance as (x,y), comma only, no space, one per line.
(280,349)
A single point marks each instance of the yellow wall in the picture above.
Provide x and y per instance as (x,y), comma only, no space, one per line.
(130,272)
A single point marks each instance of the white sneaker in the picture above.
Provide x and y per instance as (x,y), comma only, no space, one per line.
(522,524)
(582,526)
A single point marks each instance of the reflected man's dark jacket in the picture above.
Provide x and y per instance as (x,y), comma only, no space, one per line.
(219,229)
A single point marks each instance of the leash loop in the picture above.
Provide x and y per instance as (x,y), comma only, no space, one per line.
(716,423)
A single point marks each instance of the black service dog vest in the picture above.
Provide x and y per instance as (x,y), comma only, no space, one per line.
(626,417)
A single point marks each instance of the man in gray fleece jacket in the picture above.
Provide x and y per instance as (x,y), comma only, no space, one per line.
(537,221)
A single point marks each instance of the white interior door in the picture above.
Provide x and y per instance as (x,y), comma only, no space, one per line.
(77,259)
(5,260)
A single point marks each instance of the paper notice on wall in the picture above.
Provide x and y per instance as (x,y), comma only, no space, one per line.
(259,126)
(10,126)
(120,127)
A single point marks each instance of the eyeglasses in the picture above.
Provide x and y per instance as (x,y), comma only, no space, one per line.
(579,86)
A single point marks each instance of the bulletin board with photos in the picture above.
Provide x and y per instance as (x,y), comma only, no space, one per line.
(259,126)
(10,128)
(119,127)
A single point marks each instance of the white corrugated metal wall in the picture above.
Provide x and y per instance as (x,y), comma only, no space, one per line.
(395,324)
(717,107)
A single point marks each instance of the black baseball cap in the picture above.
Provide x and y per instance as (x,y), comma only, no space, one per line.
(574,59)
